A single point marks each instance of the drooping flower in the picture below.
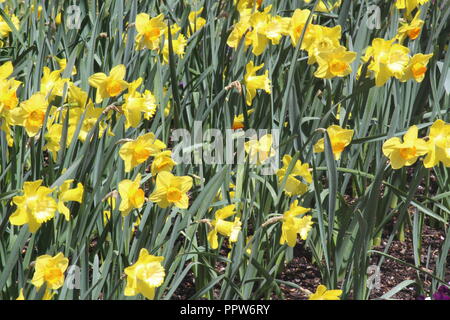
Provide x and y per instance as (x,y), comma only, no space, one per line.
(132,195)
(253,82)
(438,144)
(339,138)
(228,229)
(171,190)
(149,31)
(293,225)
(323,294)
(294,186)
(67,194)
(109,86)
(138,151)
(145,275)
(50,270)
(334,63)
(407,152)
(34,207)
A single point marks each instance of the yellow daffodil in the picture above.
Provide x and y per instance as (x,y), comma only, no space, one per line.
(253,82)
(90,119)
(259,150)
(162,162)
(388,60)
(132,195)
(409,5)
(31,114)
(62,65)
(276,28)
(228,229)
(109,86)
(134,105)
(323,294)
(145,275)
(238,32)
(67,194)
(326,6)
(334,63)
(294,186)
(339,137)
(171,189)
(407,152)
(244,5)
(48,295)
(50,270)
(293,225)
(417,67)
(238,121)
(51,83)
(195,21)
(149,31)
(5,29)
(178,46)
(138,151)
(298,22)
(322,40)
(410,30)
(34,207)
(257,35)
(438,144)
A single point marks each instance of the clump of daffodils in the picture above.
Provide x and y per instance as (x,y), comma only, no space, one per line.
(434,149)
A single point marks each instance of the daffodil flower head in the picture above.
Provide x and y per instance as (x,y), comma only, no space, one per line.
(438,144)
(31,114)
(417,67)
(253,82)
(171,190)
(149,31)
(50,270)
(132,195)
(162,162)
(67,194)
(323,294)
(406,152)
(334,63)
(293,225)
(144,276)
(226,228)
(260,150)
(34,207)
(138,151)
(109,85)
(294,186)
(340,138)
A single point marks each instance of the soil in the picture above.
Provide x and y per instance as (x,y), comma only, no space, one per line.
(303,273)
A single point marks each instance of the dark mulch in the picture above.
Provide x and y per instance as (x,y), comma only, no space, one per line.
(303,273)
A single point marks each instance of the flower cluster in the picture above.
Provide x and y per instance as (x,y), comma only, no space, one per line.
(436,147)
